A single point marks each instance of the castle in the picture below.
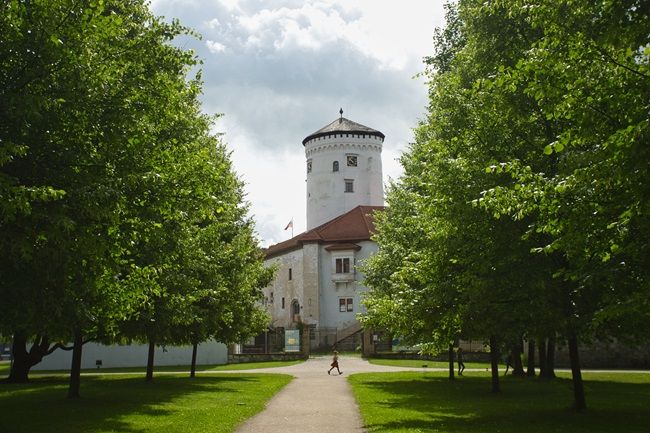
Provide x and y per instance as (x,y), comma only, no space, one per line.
(317,284)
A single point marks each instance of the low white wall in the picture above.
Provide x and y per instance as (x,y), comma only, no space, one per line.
(135,356)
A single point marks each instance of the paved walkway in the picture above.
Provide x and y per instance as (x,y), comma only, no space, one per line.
(313,401)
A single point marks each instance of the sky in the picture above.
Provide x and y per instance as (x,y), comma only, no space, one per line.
(278,70)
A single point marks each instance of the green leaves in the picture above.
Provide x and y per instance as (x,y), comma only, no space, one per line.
(533,157)
(120,211)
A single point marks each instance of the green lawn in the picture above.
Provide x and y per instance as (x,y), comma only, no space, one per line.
(429,402)
(421,363)
(169,404)
(4,369)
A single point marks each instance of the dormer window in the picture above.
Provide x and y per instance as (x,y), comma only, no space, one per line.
(343,261)
(335,166)
(343,265)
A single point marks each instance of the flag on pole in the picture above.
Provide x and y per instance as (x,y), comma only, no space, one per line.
(290,225)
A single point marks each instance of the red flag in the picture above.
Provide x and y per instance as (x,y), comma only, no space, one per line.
(290,225)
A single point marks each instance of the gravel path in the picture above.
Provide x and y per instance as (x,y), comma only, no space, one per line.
(313,401)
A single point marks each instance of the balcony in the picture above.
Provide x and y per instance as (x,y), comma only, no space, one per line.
(343,278)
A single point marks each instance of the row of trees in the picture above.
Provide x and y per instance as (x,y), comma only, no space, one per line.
(121,218)
(523,208)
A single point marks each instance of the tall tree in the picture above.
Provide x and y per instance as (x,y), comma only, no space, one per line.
(587,72)
(111,176)
(523,124)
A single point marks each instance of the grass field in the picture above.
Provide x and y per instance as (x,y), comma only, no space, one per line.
(169,404)
(421,363)
(430,402)
(4,368)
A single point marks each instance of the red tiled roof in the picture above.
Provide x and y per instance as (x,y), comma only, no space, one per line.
(353,226)
(343,247)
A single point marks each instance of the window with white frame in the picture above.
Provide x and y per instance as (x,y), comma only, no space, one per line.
(346,305)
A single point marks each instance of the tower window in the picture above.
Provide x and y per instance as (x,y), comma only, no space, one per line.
(290,274)
(309,166)
(349,185)
(352,160)
(283,303)
(335,166)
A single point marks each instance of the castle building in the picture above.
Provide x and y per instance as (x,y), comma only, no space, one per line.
(317,283)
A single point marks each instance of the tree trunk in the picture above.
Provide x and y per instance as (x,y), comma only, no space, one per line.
(531,359)
(22,360)
(517,366)
(152,347)
(451,362)
(193,367)
(75,368)
(578,388)
(542,358)
(550,358)
(494,360)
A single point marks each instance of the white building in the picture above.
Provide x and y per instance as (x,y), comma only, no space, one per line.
(95,355)
(317,283)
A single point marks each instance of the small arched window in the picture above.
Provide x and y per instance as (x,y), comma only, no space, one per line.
(335,166)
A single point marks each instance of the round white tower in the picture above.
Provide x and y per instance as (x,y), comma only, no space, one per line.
(343,170)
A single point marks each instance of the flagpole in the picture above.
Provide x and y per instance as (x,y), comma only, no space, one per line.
(290,225)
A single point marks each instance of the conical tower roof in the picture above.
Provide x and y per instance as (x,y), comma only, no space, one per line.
(345,126)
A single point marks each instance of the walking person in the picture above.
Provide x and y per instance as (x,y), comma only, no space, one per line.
(461,364)
(509,364)
(335,363)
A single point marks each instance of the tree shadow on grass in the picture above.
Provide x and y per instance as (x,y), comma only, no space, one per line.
(129,404)
(466,405)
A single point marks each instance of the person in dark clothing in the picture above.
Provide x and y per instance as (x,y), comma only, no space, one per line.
(335,363)
(461,364)
(508,364)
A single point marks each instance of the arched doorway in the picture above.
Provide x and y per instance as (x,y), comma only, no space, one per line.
(295,311)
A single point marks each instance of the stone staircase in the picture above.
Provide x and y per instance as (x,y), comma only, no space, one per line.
(349,338)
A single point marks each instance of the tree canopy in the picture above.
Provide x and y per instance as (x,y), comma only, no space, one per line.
(117,202)
(522,210)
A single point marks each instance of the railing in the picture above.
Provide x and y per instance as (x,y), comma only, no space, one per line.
(349,276)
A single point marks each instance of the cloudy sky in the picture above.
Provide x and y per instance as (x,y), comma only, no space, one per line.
(280,69)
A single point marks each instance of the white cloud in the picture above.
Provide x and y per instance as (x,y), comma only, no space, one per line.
(290,65)
(310,26)
(230,4)
(215,47)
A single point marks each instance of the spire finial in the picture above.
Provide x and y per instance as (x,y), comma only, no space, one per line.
(341,113)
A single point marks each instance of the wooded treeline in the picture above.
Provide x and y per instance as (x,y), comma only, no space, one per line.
(121,218)
(523,209)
